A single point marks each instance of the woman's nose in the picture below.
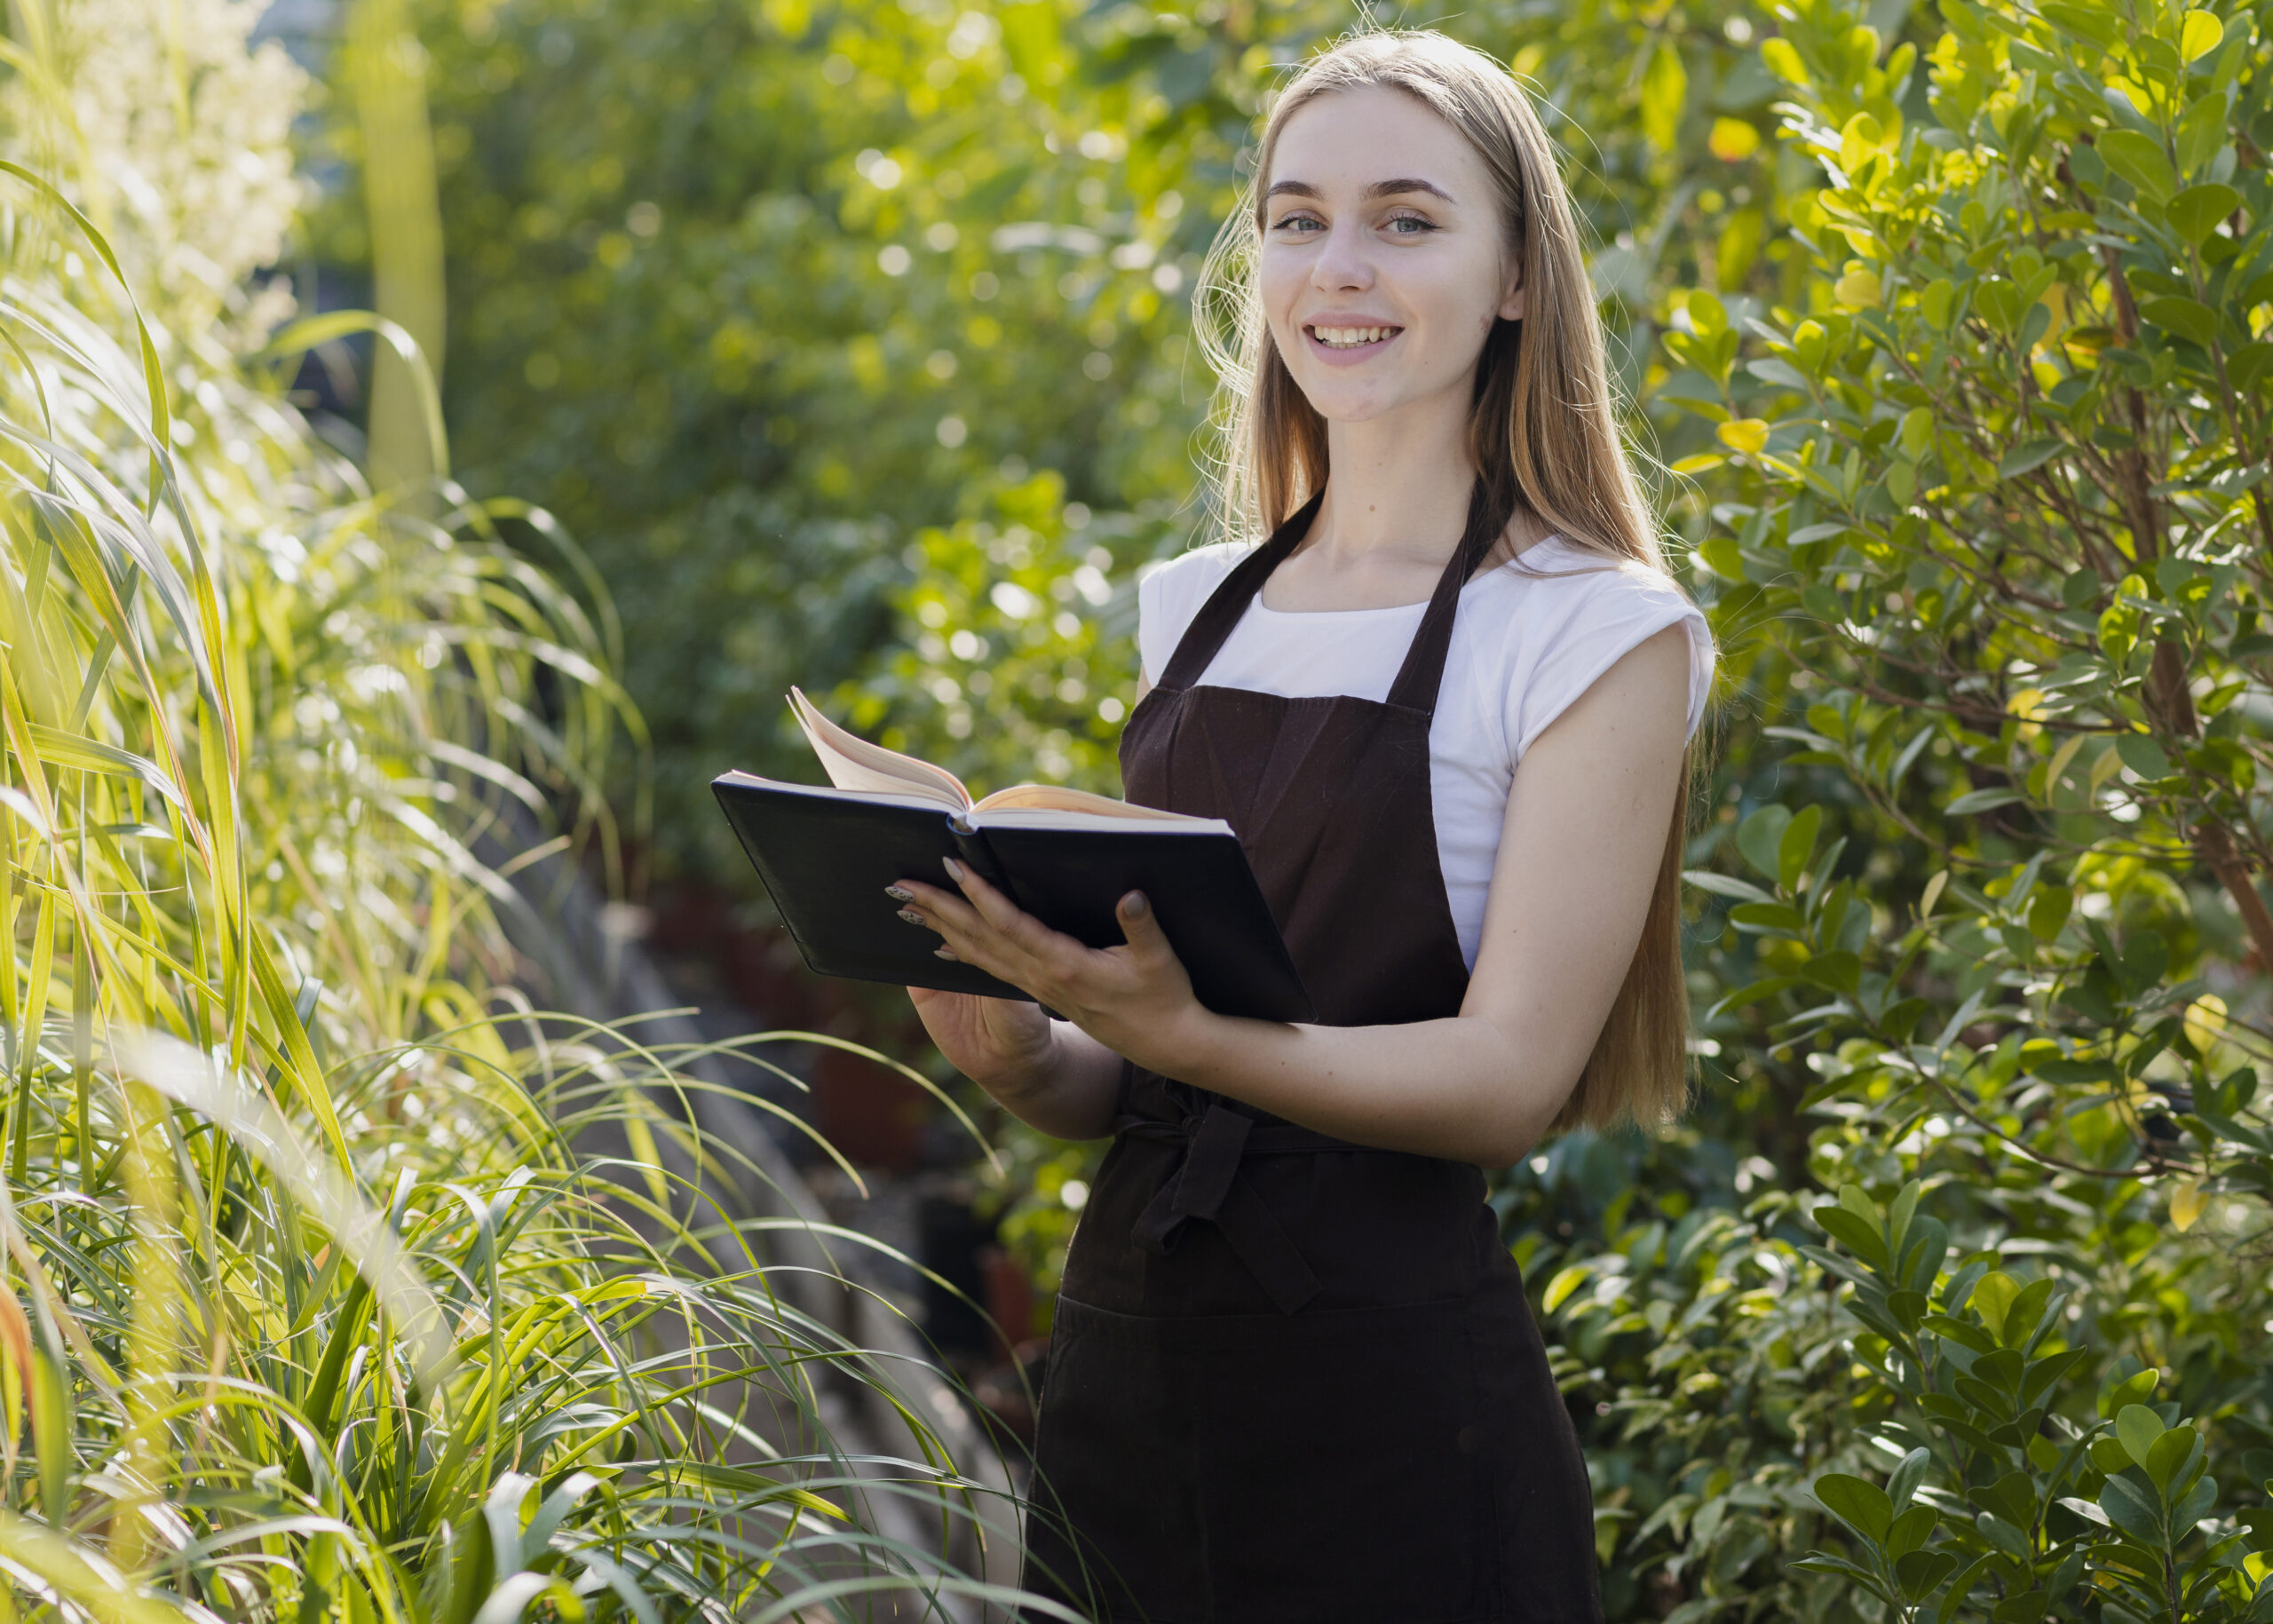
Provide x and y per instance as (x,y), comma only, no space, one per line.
(1342,265)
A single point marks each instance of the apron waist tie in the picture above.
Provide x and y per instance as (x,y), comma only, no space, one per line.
(1206,1184)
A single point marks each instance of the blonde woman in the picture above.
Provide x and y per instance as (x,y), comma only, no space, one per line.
(1447,704)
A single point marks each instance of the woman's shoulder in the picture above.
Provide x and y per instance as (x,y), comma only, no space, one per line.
(1170,592)
(1175,588)
(1209,564)
(1561,613)
(1558,588)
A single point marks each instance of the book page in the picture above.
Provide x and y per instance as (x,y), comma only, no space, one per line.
(853,763)
(1057,797)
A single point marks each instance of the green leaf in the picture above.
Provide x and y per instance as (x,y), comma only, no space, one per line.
(2026,1310)
(2189,320)
(1665,94)
(1862,1238)
(1906,1477)
(1726,886)
(2195,212)
(1562,1285)
(2027,456)
(2143,756)
(1751,995)
(2127,1507)
(1982,800)
(1798,844)
(2138,1427)
(2249,365)
(2002,1534)
(1761,836)
(1992,1297)
(2169,1453)
(1860,1504)
(1841,972)
(2140,160)
(2198,36)
(2098,28)
(1910,1530)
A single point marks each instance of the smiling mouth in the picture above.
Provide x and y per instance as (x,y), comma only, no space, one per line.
(1352,337)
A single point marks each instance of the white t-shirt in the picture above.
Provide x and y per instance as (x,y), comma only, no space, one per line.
(1530,637)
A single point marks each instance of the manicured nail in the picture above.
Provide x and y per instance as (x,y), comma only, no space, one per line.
(900,893)
(912,917)
(1134,905)
(955,869)
(945,953)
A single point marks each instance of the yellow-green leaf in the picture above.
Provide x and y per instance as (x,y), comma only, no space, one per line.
(1732,140)
(2198,35)
(1747,434)
(2186,1204)
(1665,91)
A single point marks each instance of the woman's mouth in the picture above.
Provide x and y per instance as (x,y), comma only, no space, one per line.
(1343,340)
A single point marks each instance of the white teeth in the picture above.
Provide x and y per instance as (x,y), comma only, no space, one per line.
(1350,338)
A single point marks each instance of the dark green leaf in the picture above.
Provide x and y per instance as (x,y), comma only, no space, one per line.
(1860,1504)
(2195,212)
(2188,318)
(2129,1508)
(2027,456)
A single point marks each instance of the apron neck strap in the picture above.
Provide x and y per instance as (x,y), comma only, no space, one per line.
(1417,680)
(1221,614)
(1423,671)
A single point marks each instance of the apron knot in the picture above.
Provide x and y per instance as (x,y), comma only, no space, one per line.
(1207,1186)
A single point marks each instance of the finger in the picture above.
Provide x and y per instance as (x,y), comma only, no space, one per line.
(935,907)
(997,909)
(1017,928)
(1140,927)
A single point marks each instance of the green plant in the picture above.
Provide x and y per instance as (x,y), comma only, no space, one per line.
(1986,474)
(334,1281)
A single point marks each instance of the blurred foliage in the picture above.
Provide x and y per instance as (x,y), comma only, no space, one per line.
(337,1282)
(855,336)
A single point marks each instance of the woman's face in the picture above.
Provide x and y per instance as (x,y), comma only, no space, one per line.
(1384,265)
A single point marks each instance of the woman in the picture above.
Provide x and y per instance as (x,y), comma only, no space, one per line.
(1446,706)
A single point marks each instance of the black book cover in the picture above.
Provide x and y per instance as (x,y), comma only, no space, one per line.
(826,856)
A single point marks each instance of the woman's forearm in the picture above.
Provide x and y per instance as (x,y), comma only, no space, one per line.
(1454,1087)
(1071,1093)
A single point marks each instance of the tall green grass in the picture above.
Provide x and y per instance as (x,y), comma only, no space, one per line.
(335,1283)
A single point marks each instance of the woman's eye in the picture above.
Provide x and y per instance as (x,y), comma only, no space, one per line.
(1298,223)
(1398,226)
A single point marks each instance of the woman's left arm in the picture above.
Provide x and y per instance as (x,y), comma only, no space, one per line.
(1579,856)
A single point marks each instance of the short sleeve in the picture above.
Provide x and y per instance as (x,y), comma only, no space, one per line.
(1586,622)
(1169,595)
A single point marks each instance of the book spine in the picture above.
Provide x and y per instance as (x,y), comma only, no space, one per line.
(971,848)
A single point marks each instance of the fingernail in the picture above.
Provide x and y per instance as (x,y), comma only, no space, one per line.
(900,893)
(912,916)
(945,953)
(1134,905)
(955,869)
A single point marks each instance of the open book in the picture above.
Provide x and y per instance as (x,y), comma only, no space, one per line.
(853,763)
(1065,856)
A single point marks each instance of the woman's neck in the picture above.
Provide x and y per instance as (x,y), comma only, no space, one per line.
(1399,493)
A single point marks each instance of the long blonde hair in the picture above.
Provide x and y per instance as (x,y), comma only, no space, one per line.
(1543,435)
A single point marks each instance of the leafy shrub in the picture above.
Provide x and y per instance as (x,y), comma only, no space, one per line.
(1987,473)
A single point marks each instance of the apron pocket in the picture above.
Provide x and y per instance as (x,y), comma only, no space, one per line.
(1340,1466)
(1110,1526)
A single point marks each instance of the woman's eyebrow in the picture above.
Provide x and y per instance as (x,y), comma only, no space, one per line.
(1380,188)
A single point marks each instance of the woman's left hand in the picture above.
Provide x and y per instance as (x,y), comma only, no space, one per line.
(1135,998)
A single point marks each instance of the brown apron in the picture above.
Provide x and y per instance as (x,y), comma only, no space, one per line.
(1293,1378)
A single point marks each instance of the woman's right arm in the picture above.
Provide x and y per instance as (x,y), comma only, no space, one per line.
(1050,1074)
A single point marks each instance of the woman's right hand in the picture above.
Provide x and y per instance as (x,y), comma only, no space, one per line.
(1004,1045)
